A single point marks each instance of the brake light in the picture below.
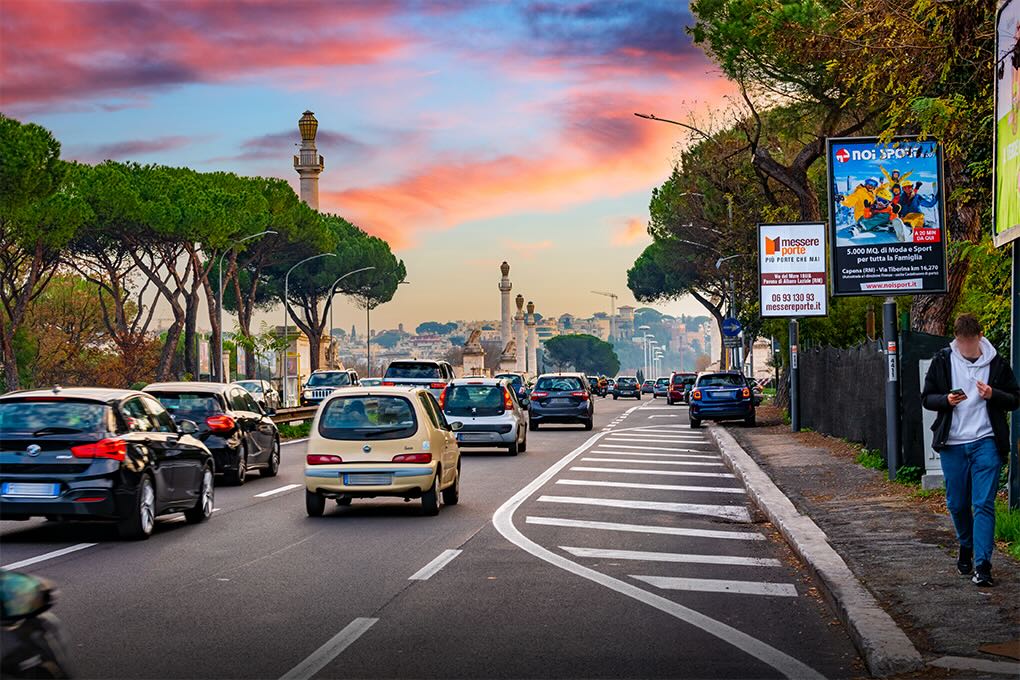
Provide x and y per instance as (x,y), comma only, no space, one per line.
(387,383)
(220,423)
(746,393)
(583,396)
(508,401)
(413,458)
(437,386)
(114,449)
(322,459)
(442,399)
(696,395)
(535,396)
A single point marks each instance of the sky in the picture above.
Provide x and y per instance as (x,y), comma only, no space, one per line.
(465,133)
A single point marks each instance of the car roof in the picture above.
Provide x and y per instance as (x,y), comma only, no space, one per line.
(102,394)
(562,374)
(375,390)
(183,386)
(477,381)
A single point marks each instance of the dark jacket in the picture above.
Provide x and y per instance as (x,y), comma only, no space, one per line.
(1005,398)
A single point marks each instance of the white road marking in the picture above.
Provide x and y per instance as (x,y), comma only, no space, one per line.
(282,489)
(666,429)
(603,452)
(48,556)
(657,487)
(735,513)
(655,448)
(666,415)
(671,473)
(654,440)
(294,441)
(434,566)
(653,462)
(686,558)
(708,585)
(646,529)
(329,651)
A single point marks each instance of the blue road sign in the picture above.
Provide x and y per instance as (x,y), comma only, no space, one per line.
(731,327)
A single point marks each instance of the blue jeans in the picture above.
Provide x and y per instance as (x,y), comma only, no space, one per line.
(972,478)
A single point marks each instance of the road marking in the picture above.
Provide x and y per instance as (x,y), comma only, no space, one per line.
(671,473)
(653,462)
(282,489)
(666,415)
(685,558)
(329,651)
(666,430)
(659,487)
(708,585)
(48,556)
(434,566)
(603,452)
(294,441)
(655,448)
(650,440)
(645,529)
(735,513)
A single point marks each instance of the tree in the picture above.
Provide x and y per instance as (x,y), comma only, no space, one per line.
(435,327)
(584,353)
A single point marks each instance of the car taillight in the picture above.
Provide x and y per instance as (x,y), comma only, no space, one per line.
(535,396)
(437,386)
(696,395)
(322,459)
(746,393)
(220,423)
(508,401)
(583,396)
(442,398)
(114,449)
(413,458)
(387,383)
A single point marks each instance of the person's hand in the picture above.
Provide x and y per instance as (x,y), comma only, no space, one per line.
(984,389)
(955,399)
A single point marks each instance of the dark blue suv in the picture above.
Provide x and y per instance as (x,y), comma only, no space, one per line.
(561,398)
(721,396)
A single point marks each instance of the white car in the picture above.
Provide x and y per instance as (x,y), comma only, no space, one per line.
(263,392)
(492,416)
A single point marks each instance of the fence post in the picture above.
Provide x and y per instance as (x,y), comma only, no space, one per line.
(892,384)
(794,378)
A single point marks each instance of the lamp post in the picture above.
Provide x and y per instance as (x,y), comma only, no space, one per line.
(224,375)
(644,349)
(286,309)
(368,332)
(649,344)
(332,293)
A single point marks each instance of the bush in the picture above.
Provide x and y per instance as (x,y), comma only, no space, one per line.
(288,431)
(871,458)
(1007,527)
(909,474)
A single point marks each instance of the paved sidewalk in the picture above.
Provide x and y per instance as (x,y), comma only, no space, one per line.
(903,550)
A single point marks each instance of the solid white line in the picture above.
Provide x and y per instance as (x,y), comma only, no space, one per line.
(708,585)
(294,441)
(603,452)
(736,513)
(659,487)
(48,556)
(329,651)
(666,415)
(273,492)
(646,529)
(434,566)
(685,558)
(671,473)
(655,448)
(653,462)
(654,440)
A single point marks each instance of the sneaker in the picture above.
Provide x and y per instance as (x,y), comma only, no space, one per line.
(983,576)
(964,562)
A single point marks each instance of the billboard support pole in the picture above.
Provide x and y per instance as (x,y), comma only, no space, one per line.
(1014,430)
(794,377)
(892,386)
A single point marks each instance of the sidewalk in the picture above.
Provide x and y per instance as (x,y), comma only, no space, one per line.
(901,548)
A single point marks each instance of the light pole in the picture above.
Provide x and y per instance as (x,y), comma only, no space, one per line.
(332,293)
(644,349)
(286,309)
(224,375)
(649,344)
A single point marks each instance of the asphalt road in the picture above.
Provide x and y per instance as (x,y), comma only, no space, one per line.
(625,552)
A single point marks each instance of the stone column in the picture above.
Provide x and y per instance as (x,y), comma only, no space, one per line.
(522,355)
(529,321)
(309,163)
(504,294)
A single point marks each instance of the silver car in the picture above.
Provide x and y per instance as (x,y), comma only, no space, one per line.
(491,414)
(263,392)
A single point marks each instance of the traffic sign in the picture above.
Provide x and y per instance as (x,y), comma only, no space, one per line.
(731,341)
(731,327)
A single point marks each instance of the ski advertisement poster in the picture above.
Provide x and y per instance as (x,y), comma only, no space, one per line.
(791,270)
(887,211)
(1007,124)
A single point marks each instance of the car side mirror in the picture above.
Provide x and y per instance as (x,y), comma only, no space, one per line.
(456,426)
(23,596)
(269,411)
(185,426)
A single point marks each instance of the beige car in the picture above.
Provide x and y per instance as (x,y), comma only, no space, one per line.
(381,441)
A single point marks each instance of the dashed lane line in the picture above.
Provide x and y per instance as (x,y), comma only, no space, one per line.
(48,556)
(329,651)
(645,528)
(282,489)
(430,569)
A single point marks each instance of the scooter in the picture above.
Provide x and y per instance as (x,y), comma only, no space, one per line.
(32,643)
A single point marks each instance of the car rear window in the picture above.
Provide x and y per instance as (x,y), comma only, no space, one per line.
(58,416)
(329,380)
(512,379)
(368,417)
(474,400)
(252,387)
(189,405)
(627,381)
(559,384)
(414,370)
(721,380)
(662,381)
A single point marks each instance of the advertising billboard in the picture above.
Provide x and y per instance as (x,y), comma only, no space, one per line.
(791,270)
(886,208)
(1007,124)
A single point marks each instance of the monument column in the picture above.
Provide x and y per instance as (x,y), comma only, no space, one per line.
(309,163)
(504,294)
(522,356)
(529,321)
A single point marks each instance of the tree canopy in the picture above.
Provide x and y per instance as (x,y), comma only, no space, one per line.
(584,353)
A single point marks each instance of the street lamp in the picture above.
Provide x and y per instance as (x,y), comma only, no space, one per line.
(332,293)
(225,375)
(644,349)
(286,309)
(368,332)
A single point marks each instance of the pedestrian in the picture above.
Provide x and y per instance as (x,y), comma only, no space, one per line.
(972,388)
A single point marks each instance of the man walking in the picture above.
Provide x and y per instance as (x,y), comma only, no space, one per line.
(972,388)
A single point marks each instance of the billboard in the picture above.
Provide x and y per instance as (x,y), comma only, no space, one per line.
(791,270)
(886,208)
(1007,124)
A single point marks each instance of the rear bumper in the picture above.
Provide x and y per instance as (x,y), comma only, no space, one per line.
(721,411)
(404,480)
(467,440)
(95,499)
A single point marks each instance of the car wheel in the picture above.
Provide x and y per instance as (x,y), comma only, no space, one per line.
(206,496)
(141,519)
(237,476)
(273,468)
(532,424)
(344,500)
(430,499)
(315,504)
(451,495)
(524,444)
(695,423)
(614,397)
(589,424)
(750,420)
(514,448)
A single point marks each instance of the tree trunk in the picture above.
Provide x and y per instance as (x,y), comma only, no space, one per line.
(216,353)
(716,312)
(311,325)
(11,381)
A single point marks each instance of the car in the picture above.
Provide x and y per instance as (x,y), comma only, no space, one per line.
(490,412)
(593,383)
(321,383)
(430,375)
(648,387)
(661,388)
(100,454)
(263,392)
(382,441)
(722,395)
(679,383)
(232,425)
(627,386)
(370,382)
(561,398)
(519,383)
(610,385)
(32,640)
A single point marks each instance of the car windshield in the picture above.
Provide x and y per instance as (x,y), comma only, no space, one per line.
(413,371)
(558,384)
(368,417)
(189,405)
(58,416)
(721,380)
(253,387)
(626,381)
(474,400)
(328,380)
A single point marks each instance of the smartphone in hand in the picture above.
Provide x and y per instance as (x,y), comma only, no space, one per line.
(959,392)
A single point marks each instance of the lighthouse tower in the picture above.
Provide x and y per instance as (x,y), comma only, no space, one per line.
(309,163)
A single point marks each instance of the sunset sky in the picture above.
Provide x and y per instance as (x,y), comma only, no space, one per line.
(463,133)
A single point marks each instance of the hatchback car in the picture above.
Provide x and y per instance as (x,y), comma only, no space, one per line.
(721,396)
(431,375)
(370,382)
(382,441)
(627,386)
(519,383)
(229,422)
(561,398)
(320,384)
(490,412)
(263,392)
(102,454)
(648,387)
(679,385)
(661,388)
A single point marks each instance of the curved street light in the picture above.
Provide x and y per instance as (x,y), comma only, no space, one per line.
(332,292)
(286,309)
(225,374)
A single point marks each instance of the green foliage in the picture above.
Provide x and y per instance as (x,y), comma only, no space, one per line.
(584,353)
(909,475)
(871,459)
(388,339)
(1007,527)
(985,292)
(435,327)
(288,431)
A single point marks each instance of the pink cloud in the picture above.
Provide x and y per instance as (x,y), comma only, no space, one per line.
(633,230)
(527,250)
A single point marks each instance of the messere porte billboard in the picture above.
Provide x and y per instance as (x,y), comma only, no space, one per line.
(791,269)
(886,208)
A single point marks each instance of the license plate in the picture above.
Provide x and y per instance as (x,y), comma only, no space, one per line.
(471,437)
(367,479)
(561,402)
(30,490)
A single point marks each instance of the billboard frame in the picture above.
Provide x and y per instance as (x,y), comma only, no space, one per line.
(825,263)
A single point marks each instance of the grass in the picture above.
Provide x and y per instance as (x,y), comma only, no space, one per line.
(924,494)
(871,458)
(1007,527)
(909,475)
(288,431)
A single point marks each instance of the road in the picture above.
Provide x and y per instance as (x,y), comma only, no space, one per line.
(625,552)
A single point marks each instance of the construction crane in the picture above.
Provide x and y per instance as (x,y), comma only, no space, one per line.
(612,311)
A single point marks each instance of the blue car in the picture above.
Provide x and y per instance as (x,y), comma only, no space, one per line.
(721,396)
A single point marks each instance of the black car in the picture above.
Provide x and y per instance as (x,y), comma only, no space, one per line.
(104,454)
(519,384)
(321,384)
(234,427)
(627,386)
(561,398)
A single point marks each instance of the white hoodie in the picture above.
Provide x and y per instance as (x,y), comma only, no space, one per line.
(970,417)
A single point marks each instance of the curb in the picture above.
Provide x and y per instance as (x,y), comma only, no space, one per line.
(884,646)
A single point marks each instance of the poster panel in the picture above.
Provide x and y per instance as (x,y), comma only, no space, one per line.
(791,270)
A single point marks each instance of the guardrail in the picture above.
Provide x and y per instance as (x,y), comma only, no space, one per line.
(290,415)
